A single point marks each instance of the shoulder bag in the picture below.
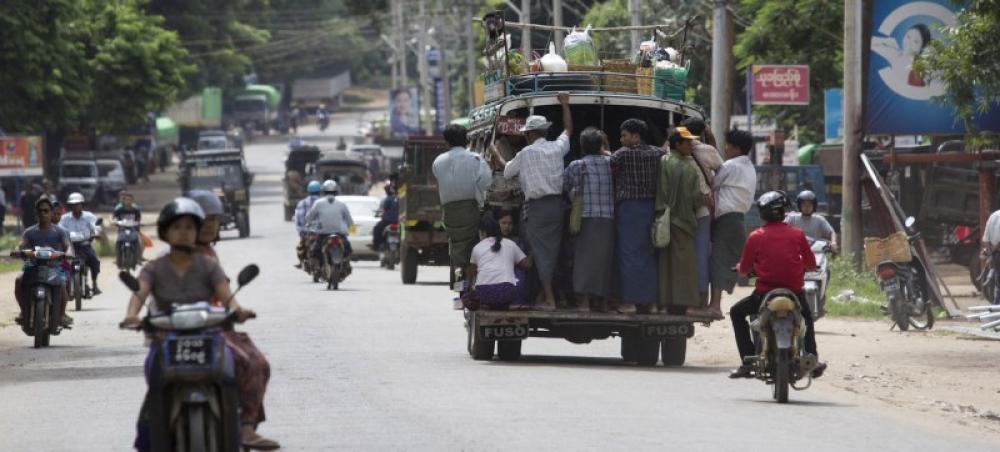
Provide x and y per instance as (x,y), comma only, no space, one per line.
(660,234)
(576,211)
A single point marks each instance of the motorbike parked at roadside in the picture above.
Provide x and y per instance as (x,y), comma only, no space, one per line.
(905,286)
(816,281)
(389,254)
(193,400)
(42,284)
(127,245)
(781,358)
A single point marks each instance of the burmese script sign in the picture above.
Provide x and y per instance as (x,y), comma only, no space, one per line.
(780,84)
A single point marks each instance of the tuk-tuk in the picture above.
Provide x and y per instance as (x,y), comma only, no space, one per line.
(225,174)
(350,173)
(299,167)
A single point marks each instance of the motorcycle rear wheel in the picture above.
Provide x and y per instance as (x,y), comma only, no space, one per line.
(196,427)
(78,290)
(782,375)
(38,317)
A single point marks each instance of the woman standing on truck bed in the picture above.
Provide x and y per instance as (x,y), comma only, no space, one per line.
(634,167)
(595,244)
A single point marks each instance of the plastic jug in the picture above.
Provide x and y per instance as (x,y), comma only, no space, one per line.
(552,62)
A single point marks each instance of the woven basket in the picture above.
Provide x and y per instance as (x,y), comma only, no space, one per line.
(618,78)
(894,248)
(644,81)
(582,68)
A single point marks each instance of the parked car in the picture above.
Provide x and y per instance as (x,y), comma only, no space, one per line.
(110,180)
(363,210)
(78,175)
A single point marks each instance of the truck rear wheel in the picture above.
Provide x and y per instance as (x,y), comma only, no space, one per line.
(674,351)
(647,351)
(243,224)
(408,269)
(628,348)
(482,350)
(509,350)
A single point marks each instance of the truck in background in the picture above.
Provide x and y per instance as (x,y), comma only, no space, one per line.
(255,108)
(309,93)
(196,113)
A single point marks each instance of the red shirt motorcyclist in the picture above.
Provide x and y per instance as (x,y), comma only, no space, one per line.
(779,255)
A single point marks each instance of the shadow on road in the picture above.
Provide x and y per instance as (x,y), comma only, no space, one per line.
(24,375)
(806,403)
(433,283)
(614,363)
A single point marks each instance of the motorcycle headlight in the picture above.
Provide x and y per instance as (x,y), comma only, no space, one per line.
(188,320)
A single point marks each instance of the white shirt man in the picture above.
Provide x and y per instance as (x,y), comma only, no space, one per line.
(462,175)
(539,167)
(734,186)
(85,225)
(329,216)
(991,234)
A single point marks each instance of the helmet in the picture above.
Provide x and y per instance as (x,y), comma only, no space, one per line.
(772,206)
(805,195)
(75,198)
(176,209)
(329,186)
(313,187)
(209,203)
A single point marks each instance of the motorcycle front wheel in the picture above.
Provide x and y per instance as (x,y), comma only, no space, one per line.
(782,375)
(38,317)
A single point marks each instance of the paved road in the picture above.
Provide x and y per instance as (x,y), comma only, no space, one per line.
(380,366)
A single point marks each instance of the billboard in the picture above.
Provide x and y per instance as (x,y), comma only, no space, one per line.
(833,115)
(779,84)
(21,156)
(900,100)
(404,108)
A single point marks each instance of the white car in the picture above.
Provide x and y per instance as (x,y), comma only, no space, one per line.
(363,211)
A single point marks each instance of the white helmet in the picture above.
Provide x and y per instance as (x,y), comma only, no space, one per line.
(75,198)
(329,186)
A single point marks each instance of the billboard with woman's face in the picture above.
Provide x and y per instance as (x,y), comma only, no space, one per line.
(404,108)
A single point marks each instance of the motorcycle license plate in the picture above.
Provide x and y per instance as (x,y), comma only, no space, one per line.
(890,286)
(189,351)
(667,330)
(394,240)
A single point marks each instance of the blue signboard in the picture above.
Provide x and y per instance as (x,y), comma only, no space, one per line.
(899,99)
(833,115)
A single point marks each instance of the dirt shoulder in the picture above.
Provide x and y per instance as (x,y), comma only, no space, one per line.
(936,378)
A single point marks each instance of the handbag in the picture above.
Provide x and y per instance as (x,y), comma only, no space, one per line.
(576,210)
(660,234)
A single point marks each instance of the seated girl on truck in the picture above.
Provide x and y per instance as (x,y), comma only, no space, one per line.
(493,261)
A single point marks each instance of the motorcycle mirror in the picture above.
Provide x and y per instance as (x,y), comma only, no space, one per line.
(100,222)
(249,273)
(129,281)
(910,221)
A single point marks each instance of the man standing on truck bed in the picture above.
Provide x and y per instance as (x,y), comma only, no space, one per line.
(462,178)
(734,187)
(540,167)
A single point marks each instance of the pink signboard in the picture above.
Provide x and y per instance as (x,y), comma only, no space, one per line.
(780,84)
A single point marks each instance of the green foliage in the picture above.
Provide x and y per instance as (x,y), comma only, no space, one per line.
(610,13)
(867,298)
(967,60)
(795,32)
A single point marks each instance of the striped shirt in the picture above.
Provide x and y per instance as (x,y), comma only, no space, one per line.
(593,174)
(540,167)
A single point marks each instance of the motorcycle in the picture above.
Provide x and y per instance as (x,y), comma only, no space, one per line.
(127,245)
(42,288)
(905,288)
(781,359)
(336,266)
(816,281)
(193,400)
(389,254)
(79,283)
(324,121)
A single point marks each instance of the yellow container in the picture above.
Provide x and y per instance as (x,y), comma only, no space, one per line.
(894,248)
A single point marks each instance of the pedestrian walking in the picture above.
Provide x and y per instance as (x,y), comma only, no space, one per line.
(733,186)
(539,166)
(634,167)
(678,191)
(593,258)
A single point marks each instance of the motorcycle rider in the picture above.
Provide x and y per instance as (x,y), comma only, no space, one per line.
(779,255)
(389,210)
(179,225)
(301,209)
(43,234)
(814,226)
(85,223)
(128,210)
(327,216)
(252,369)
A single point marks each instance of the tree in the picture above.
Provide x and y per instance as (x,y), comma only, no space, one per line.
(795,32)
(135,66)
(968,61)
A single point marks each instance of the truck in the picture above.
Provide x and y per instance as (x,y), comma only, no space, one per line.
(192,115)
(310,93)
(423,240)
(597,99)
(255,107)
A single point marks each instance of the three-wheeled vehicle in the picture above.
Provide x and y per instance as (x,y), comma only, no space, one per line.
(299,167)
(350,173)
(225,174)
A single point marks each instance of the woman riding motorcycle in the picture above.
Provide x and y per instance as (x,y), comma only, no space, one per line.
(202,279)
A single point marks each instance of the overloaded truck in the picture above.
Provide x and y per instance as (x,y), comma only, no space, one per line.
(423,240)
(256,108)
(195,114)
(601,98)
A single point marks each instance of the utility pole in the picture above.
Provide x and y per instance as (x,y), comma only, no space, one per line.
(394,43)
(401,34)
(722,70)
(444,109)
(557,20)
(470,56)
(525,15)
(635,15)
(850,220)
(425,94)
